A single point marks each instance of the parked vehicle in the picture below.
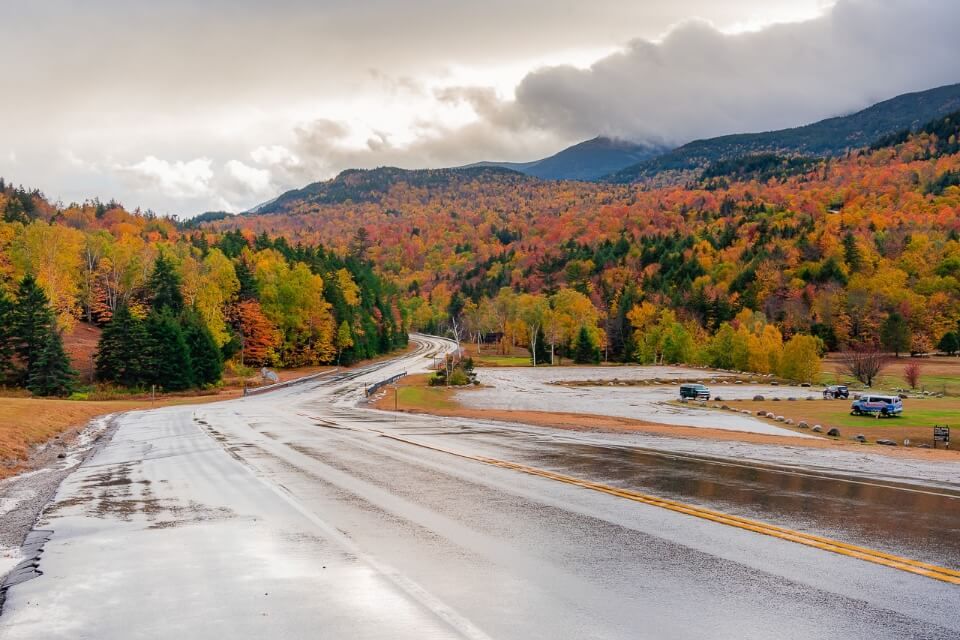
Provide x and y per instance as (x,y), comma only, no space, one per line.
(695,391)
(874,404)
(836,391)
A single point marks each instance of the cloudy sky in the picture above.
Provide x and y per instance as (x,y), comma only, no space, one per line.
(184,106)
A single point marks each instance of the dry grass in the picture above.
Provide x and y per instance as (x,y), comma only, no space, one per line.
(28,422)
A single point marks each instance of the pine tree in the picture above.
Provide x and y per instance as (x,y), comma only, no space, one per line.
(6,336)
(121,350)
(248,285)
(51,373)
(540,355)
(31,323)
(168,357)
(205,357)
(851,253)
(585,352)
(949,343)
(164,286)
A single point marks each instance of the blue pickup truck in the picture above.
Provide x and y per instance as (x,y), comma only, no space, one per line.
(879,405)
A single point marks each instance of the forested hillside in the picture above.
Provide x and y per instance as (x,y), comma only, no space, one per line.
(833,248)
(828,137)
(174,303)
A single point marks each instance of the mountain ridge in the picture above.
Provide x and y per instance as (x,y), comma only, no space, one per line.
(827,137)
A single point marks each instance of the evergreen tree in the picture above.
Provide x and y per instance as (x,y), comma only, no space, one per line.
(32,321)
(51,373)
(895,334)
(168,356)
(541,355)
(949,343)
(248,285)
(205,357)
(6,336)
(121,350)
(851,253)
(164,286)
(584,351)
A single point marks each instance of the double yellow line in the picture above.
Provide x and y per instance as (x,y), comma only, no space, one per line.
(942,574)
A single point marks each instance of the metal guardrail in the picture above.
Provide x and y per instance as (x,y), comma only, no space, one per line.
(372,389)
(252,391)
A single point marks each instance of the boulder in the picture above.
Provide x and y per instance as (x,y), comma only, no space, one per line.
(745,412)
(803,425)
(859,437)
(788,421)
(758,398)
(780,419)
(886,442)
(834,432)
(804,384)
(817,428)
(723,406)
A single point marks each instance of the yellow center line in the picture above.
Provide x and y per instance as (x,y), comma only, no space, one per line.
(892,561)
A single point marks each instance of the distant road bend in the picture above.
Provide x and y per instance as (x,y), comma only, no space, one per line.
(299,514)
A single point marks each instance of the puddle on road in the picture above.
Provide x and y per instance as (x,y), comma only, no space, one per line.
(925,526)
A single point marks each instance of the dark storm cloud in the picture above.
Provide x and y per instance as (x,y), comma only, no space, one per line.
(699,82)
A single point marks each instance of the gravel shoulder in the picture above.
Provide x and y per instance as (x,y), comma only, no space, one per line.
(24,496)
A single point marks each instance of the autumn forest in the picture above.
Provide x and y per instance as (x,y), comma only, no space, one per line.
(760,263)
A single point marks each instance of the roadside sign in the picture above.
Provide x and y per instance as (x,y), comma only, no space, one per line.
(941,433)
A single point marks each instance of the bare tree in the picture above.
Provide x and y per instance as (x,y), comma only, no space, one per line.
(911,373)
(864,362)
(456,328)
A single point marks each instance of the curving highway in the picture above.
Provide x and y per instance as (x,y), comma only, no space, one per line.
(299,514)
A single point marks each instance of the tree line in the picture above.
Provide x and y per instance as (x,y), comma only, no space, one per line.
(176,304)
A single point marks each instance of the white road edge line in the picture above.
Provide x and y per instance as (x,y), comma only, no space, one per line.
(424,598)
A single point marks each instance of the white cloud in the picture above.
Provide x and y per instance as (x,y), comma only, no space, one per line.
(274,155)
(246,180)
(427,84)
(178,179)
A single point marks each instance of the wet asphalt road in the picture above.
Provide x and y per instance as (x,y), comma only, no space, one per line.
(291,515)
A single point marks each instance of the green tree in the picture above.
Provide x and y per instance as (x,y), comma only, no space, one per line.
(205,356)
(895,334)
(585,352)
(164,286)
(678,344)
(51,373)
(121,349)
(949,343)
(344,339)
(32,321)
(6,336)
(801,359)
(539,354)
(851,253)
(168,356)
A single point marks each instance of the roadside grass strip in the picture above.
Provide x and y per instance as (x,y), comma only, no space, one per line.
(892,561)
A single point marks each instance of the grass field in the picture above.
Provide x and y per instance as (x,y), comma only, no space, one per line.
(916,422)
(938,374)
(415,395)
